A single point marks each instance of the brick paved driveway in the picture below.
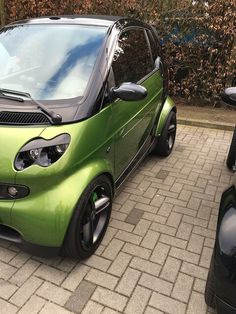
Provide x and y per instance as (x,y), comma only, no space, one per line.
(155,256)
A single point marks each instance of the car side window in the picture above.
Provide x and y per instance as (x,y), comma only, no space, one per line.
(132,59)
(153,46)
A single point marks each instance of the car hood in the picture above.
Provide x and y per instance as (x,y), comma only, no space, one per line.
(12,138)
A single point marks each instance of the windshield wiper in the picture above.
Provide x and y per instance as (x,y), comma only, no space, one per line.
(56,118)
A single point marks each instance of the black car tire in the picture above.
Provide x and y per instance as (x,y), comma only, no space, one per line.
(75,245)
(210,286)
(232,153)
(165,142)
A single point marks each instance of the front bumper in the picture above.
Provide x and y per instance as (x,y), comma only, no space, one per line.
(9,234)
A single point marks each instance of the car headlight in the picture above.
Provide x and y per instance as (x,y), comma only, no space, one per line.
(42,152)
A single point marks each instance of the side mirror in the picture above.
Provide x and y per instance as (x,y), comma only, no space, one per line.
(229,96)
(129,92)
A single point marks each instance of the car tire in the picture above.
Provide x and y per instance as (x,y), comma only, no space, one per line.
(165,142)
(90,220)
(210,286)
(232,153)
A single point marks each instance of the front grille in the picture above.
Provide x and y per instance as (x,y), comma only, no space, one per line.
(23,118)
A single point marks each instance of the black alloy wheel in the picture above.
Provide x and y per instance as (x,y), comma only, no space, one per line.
(90,219)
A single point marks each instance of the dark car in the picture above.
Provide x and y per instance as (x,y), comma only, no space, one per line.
(229,98)
(220,291)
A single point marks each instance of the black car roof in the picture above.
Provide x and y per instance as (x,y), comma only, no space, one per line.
(102,20)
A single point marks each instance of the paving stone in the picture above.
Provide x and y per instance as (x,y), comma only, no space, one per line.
(195,243)
(173,241)
(107,310)
(150,192)
(194,270)
(136,250)
(6,271)
(128,281)
(182,287)
(98,262)
(184,255)
(7,307)
(197,304)
(184,231)
(128,237)
(53,293)
(170,269)
(20,259)
(195,221)
(121,225)
(157,200)
(138,301)
(150,239)
(163,229)
(174,220)
(33,305)
(80,297)
(145,266)
(199,285)
(156,284)
(113,249)
(24,272)
(115,214)
(109,235)
(51,308)
(142,227)
(167,304)
(165,209)
(162,174)
(6,289)
(6,255)
(51,274)
(206,257)
(151,310)
(119,265)
(110,299)
(26,291)
(75,277)
(194,203)
(204,232)
(102,279)
(160,253)
(185,211)
(134,216)
(185,195)
(93,308)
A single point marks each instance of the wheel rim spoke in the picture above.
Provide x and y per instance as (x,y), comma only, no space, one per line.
(88,230)
(171,129)
(101,204)
(95,217)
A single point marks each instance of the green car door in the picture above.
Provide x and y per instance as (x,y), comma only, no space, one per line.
(133,120)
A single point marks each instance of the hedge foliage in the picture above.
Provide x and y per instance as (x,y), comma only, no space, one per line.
(198,37)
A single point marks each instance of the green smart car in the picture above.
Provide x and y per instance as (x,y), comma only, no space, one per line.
(83,99)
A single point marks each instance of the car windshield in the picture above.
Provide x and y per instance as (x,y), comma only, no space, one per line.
(49,61)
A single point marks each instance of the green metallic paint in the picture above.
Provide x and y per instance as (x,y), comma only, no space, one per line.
(133,121)
(169,105)
(104,143)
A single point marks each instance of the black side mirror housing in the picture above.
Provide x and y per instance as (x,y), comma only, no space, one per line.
(129,92)
(229,96)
